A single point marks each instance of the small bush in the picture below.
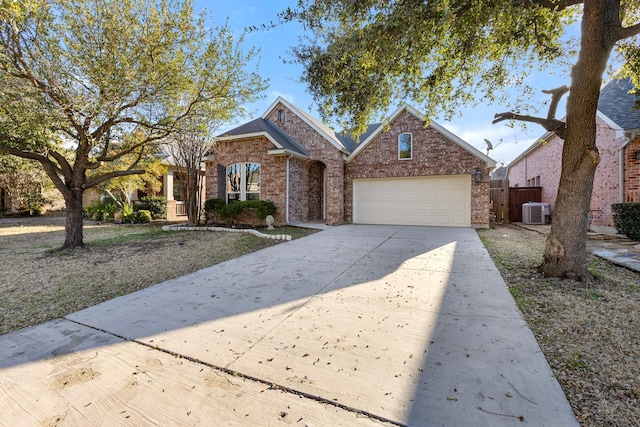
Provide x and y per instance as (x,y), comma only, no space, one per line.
(156,205)
(262,207)
(626,218)
(216,209)
(213,205)
(102,209)
(127,213)
(143,216)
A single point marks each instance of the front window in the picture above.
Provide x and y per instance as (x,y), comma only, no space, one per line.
(243,182)
(405,146)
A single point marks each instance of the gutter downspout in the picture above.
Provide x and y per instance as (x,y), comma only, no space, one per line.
(621,169)
(525,172)
(286,204)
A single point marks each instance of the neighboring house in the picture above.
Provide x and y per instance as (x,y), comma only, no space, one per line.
(400,173)
(9,204)
(171,190)
(617,177)
(499,173)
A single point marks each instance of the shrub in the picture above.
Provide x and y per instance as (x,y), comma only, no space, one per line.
(212,207)
(143,216)
(156,205)
(216,209)
(626,218)
(262,207)
(100,209)
(127,213)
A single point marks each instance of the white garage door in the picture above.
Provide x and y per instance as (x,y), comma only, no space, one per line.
(433,200)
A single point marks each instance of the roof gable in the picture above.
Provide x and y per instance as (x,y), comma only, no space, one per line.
(379,128)
(320,128)
(262,127)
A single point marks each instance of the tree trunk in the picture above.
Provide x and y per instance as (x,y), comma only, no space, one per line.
(74,221)
(566,247)
(192,196)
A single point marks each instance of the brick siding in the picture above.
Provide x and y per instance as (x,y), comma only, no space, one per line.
(320,150)
(433,154)
(324,175)
(272,170)
(546,162)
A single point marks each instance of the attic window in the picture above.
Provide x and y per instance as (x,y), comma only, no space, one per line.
(280,116)
(405,146)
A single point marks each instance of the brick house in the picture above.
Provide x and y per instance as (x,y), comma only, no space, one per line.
(399,173)
(617,176)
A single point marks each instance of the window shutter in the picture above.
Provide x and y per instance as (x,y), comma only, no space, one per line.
(222,182)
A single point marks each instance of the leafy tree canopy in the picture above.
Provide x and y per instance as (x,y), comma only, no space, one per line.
(87,74)
(445,54)
(442,55)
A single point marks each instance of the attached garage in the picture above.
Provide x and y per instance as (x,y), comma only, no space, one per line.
(443,200)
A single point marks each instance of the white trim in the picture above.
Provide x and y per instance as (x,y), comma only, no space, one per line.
(621,166)
(410,146)
(321,129)
(447,134)
(286,152)
(613,125)
(249,136)
(278,151)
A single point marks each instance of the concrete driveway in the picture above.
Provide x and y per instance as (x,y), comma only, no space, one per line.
(354,325)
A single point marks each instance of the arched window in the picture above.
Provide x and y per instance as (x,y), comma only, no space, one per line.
(243,182)
(405,146)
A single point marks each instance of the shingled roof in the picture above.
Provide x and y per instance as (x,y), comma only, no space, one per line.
(261,125)
(351,143)
(619,105)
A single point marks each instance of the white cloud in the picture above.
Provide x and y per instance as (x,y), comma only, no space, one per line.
(508,143)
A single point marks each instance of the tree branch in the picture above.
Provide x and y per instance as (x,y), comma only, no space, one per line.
(549,4)
(65,167)
(556,95)
(49,167)
(551,124)
(627,32)
(108,176)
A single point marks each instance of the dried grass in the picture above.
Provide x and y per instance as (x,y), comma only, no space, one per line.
(589,334)
(39,283)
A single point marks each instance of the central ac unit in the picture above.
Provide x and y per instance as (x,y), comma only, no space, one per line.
(535,213)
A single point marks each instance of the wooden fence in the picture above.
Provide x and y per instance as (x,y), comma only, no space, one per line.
(499,196)
(520,195)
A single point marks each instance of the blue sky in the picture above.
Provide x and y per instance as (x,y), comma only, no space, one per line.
(473,125)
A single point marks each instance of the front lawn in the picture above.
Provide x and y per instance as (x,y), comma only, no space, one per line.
(589,334)
(39,283)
